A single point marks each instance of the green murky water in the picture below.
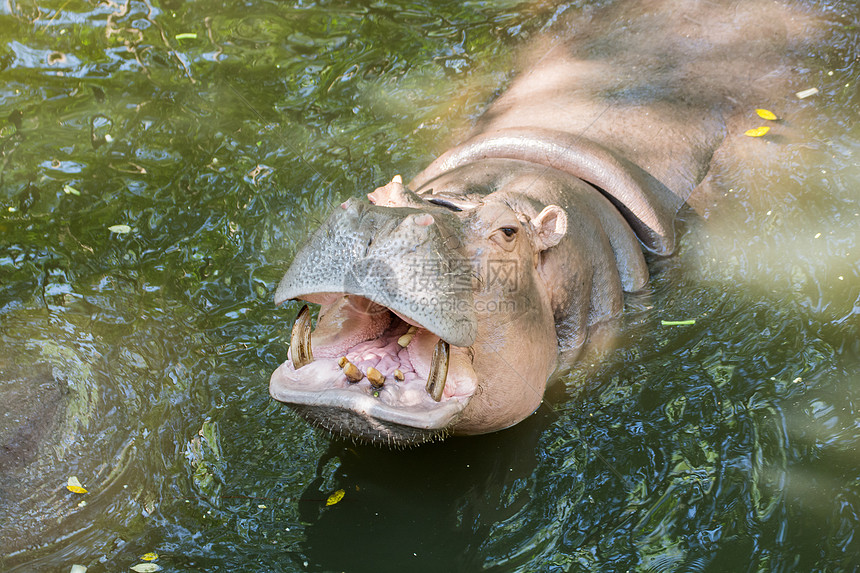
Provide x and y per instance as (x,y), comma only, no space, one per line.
(219,134)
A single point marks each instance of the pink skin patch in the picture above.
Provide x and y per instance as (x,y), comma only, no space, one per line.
(424,220)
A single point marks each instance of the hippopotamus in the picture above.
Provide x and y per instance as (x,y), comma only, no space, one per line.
(445,303)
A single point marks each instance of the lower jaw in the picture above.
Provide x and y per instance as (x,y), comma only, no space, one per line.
(362,417)
(368,429)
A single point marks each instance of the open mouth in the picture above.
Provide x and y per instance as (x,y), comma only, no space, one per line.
(367,370)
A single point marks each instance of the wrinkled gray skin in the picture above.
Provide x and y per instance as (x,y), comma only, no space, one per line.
(514,244)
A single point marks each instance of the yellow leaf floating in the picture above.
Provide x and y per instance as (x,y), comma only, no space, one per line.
(74,486)
(335,497)
(757,132)
(766,114)
(120,229)
(152,556)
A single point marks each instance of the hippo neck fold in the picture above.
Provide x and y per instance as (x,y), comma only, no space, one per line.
(647,205)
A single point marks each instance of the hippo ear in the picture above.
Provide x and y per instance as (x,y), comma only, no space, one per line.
(550,227)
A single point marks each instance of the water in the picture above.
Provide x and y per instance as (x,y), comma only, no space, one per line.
(728,445)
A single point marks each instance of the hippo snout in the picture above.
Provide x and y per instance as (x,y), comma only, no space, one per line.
(398,257)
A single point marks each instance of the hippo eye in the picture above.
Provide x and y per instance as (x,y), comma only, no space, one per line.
(505,237)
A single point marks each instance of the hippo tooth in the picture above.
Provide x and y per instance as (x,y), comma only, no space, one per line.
(404,340)
(377,380)
(399,376)
(438,370)
(353,374)
(300,339)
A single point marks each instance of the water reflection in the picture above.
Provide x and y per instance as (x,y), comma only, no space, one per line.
(726,445)
(434,507)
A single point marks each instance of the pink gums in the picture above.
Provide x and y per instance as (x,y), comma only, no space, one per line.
(386,355)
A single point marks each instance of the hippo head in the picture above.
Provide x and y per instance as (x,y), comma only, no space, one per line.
(434,317)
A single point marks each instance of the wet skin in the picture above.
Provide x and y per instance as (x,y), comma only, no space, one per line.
(454,297)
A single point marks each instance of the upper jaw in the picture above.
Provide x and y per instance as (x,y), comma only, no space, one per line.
(392,257)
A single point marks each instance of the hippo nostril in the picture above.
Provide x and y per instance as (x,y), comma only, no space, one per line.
(444,203)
